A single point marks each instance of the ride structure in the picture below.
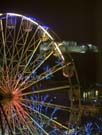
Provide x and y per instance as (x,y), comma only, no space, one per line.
(26,75)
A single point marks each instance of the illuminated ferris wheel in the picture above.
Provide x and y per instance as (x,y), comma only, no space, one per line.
(30,60)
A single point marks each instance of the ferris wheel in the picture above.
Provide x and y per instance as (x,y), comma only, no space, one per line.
(31,63)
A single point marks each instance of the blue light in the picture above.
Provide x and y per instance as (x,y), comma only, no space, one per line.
(53,112)
(59,61)
(46,97)
(33,87)
(11,22)
(48,71)
(34,19)
(34,74)
(45,27)
(53,132)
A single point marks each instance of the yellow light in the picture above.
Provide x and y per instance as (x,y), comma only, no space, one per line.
(96,93)
(84,95)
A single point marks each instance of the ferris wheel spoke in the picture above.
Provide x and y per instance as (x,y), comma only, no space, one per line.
(23,49)
(14,53)
(25,58)
(36,68)
(33,65)
(26,55)
(37,124)
(32,55)
(15,68)
(28,45)
(16,121)
(39,78)
(16,124)
(4,51)
(26,123)
(6,119)
(44,116)
(46,90)
(31,43)
(41,57)
(21,35)
(49,105)
(13,123)
(6,36)
(25,66)
(12,45)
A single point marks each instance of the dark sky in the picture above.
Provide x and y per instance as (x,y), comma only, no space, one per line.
(72,20)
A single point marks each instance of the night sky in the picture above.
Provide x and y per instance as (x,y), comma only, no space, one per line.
(71,20)
(75,20)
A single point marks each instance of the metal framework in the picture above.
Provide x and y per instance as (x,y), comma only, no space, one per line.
(24,67)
